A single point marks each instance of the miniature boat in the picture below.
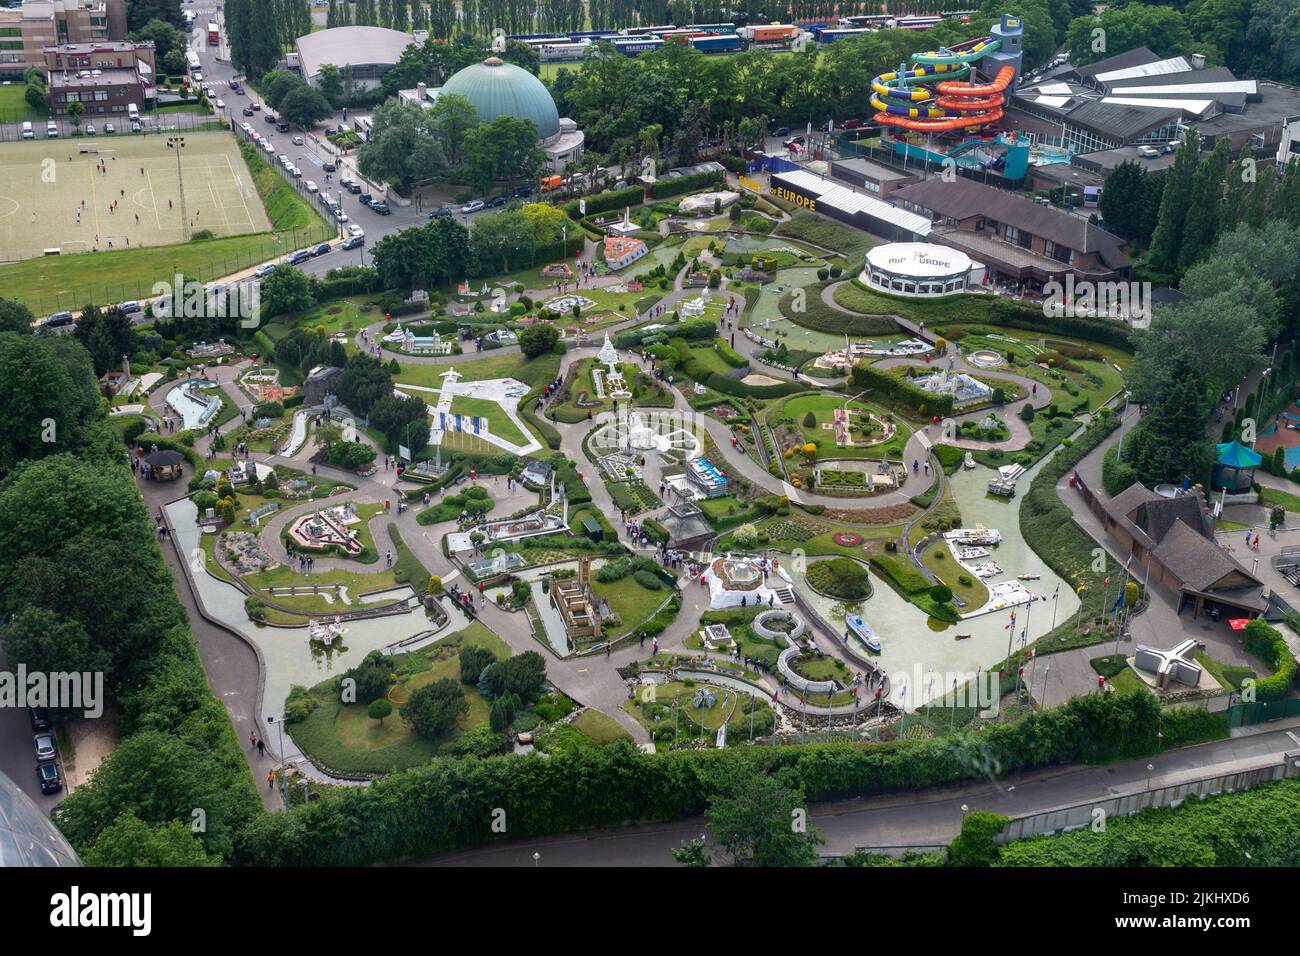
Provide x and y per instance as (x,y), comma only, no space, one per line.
(862,631)
(1029,577)
(962,637)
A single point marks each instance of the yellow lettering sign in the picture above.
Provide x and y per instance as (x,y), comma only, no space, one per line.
(790,196)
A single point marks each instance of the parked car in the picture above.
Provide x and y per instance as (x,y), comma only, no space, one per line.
(781,131)
(263,271)
(47,771)
(523,192)
(270,118)
(129,308)
(297,141)
(474,205)
(44,746)
(109,129)
(353,242)
(296,258)
(381,208)
(297,173)
(135,126)
(367,199)
(330,167)
(246,128)
(221,104)
(57,320)
(257,106)
(495,202)
(311,186)
(268,147)
(282,127)
(340,215)
(89,129)
(323,248)
(355,230)
(40,718)
(440,212)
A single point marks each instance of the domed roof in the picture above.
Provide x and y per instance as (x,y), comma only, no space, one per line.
(497,88)
(27,837)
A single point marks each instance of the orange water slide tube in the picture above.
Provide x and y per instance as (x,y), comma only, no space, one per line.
(940,125)
(968,102)
(999,85)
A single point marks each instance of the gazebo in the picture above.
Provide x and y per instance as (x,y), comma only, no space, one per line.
(1234,468)
(165,465)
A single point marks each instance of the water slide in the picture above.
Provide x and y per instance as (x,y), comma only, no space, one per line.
(906,99)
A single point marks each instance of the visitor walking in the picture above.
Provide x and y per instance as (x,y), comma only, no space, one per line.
(261,747)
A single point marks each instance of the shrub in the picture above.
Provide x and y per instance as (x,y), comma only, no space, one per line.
(432,710)
(648,580)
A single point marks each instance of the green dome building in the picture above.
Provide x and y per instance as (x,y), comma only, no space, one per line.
(497,88)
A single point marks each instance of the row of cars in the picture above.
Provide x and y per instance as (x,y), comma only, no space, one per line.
(47,751)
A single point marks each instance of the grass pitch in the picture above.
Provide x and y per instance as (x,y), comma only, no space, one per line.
(44,183)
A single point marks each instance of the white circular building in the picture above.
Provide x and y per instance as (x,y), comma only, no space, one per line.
(920,269)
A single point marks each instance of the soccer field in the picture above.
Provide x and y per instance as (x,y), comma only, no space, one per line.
(44,184)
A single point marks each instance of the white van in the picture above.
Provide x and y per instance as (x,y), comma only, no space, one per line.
(27,130)
(328,200)
(51,130)
(311,186)
(133,112)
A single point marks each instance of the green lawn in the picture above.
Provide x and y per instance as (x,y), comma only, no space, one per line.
(1272,497)
(823,408)
(49,283)
(633,603)
(938,558)
(14,108)
(499,423)
(601,728)
(512,365)
(344,737)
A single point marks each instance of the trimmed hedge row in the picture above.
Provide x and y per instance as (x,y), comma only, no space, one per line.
(1268,645)
(899,392)
(604,202)
(677,185)
(450,804)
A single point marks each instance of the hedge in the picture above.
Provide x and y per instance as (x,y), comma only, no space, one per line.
(604,202)
(1048,527)
(899,392)
(820,317)
(450,803)
(1268,645)
(1255,827)
(676,185)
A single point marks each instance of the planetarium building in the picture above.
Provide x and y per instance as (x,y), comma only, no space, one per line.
(920,269)
(497,88)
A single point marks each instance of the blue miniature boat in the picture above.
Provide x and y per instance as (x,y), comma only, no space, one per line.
(862,631)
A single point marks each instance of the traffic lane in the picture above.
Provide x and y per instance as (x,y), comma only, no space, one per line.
(17,754)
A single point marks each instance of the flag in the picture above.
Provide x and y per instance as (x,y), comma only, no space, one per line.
(1119,600)
(1032,653)
(1106,583)
(1011,622)
(475,424)
(442,421)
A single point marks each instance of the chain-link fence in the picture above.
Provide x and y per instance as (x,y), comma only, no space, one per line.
(151,124)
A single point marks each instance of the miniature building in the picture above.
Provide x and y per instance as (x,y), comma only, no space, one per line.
(572,599)
(1177,663)
(964,389)
(711,482)
(537,473)
(620,252)
(1235,467)
(321,381)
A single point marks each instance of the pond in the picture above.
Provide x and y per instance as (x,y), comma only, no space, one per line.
(916,656)
(287,656)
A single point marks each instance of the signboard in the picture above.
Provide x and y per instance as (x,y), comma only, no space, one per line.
(789,195)
(582,206)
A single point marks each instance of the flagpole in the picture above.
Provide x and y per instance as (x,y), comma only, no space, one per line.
(1024,636)
(1055,595)
(1078,620)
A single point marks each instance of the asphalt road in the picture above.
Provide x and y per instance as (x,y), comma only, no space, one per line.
(17,757)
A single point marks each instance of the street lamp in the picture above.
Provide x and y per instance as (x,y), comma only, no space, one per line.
(279,729)
(1150,768)
(537,859)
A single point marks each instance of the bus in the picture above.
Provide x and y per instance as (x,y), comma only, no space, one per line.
(192,62)
(214,34)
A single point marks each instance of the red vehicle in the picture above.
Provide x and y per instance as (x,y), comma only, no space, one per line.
(853,123)
(214,34)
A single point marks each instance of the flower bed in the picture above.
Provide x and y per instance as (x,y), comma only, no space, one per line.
(847,539)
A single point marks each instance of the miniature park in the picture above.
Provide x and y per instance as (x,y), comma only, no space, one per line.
(781,529)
